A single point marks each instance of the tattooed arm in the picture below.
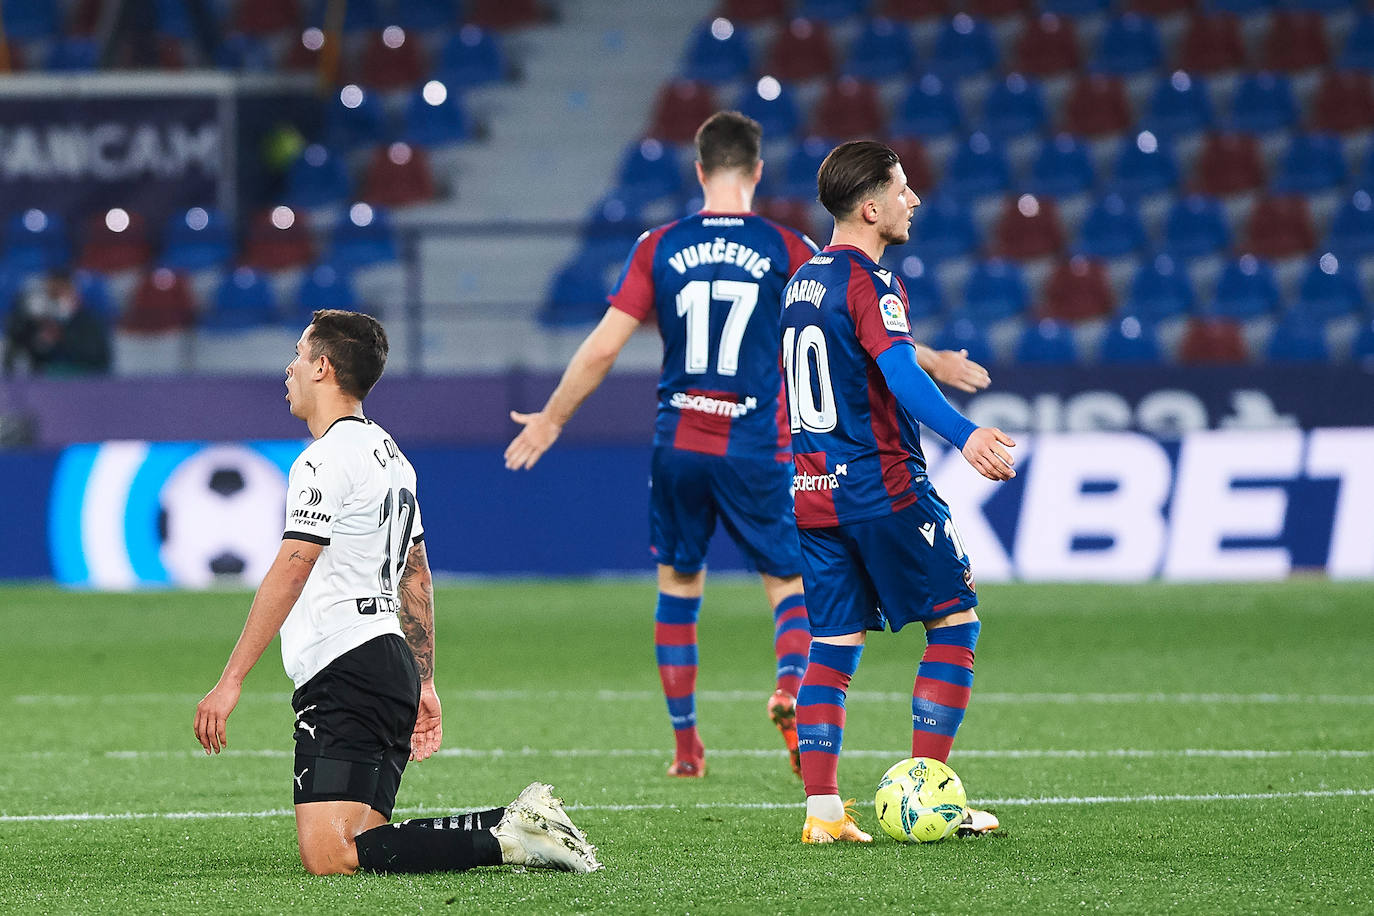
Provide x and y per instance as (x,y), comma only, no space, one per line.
(275,596)
(417,623)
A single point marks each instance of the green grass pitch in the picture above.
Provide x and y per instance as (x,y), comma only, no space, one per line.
(1183,749)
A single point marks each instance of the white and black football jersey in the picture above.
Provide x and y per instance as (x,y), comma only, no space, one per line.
(354,492)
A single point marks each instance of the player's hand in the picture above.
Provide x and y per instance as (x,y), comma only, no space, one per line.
(212,714)
(534,440)
(986,452)
(429,729)
(955,369)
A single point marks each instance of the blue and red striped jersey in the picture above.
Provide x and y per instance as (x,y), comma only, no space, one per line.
(714,282)
(857,450)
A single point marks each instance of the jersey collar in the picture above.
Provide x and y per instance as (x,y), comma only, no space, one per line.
(859,251)
(341,419)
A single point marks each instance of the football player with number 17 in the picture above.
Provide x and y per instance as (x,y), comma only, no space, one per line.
(878,545)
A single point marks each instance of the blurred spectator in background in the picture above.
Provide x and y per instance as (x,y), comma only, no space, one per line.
(56,333)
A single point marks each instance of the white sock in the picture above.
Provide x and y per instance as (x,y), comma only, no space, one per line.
(825,807)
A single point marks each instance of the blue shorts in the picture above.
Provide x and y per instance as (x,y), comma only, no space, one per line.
(752,497)
(909,565)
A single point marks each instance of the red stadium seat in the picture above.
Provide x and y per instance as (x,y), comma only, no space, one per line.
(398,175)
(265,17)
(1048,46)
(1097,105)
(1344,102)
(848,110)
(115,240)
(753,11)
(392,59)
(162,302)
(1212,341)
(681,107)
(278,239)
(1296,41)
(1212,44)
(915,162)
(1229,164)
(1028,228)
(795,214)
(506,14)
(996,9)
(802,51)
(85,18)
(1279,227)
(1078,290)
(305,58)
(1161,7)
(909,10)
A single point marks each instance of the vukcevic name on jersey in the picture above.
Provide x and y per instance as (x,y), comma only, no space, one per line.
(715,282)
(857,451)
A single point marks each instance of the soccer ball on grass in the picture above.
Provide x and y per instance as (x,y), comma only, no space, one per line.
(920,799)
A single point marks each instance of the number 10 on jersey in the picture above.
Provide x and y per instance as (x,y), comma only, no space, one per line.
(810,396)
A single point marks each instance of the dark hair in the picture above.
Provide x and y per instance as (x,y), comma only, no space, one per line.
(851,172)
(355,344)
(728,140)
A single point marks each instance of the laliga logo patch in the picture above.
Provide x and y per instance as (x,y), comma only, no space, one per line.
(894,315)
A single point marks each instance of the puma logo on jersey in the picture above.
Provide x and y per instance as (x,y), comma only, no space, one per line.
(928,532)
(314,468)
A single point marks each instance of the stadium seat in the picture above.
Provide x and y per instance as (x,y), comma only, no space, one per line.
(317,178)
(1228,164)
(718,51)
(196,239)
(1212,341)
(1362,347)
(774,105)
(30,20)
(1245,289)
(882,50)
(1352,228)
(506,14)
(162,301)
(173,19)
(1077,290)
(425,15)
(73,55)
(978,168)
(1075,7)
(90,287)
(1297,339)
(614,218)
(1330,288)
(912,10)
(576,296)
(1159,8)
(1028,228)
(436,116)
(798,173)
(359,15)
(788,212)
(267,17)
(1196,227)
(912,153)
(1047,342)
(1359,45)
(277,239)
(998,9)
(1279,226)
(244,299)
(649,170)
(754,11)
(472,56)
(995,289)
(1014,106)
(1047,46)
(1130,342)
(1130,44)
(964,46)
(1180,105)
(802,51)
(363,236)
(1312,162)
(1097,105)
(1212,44)
(397,175)
(1062,167)
(929,109)
(849,109)
(832,10)
(324,286)
(944,229)
(354,118)
(963,334)
(1344,102)
(1263,102)
(1111,229)
(391,59)
(36,240)
(1296,41)
(245,53)
(116,239)
(1160,289)
(680,108)
(924,298)
(1144,165)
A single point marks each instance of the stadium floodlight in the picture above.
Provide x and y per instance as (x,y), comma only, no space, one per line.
(117,219)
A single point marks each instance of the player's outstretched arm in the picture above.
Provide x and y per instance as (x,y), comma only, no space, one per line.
(417,623)
(585,373)
(953,368)
(275,596)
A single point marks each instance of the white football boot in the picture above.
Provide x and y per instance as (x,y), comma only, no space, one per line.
(540,797)
(977,823)
(530,835)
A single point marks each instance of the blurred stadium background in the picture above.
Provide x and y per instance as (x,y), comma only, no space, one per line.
(1151,218)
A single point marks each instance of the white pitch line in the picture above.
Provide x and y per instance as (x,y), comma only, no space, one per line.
(716,806)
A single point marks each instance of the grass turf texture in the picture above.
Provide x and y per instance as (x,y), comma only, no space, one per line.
(1152,748)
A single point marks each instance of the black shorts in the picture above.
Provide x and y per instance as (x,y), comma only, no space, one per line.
(354,720)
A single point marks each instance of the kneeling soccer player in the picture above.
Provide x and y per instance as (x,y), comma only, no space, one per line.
(351,593)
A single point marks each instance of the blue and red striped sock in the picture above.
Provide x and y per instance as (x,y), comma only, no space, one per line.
(791,641)
(941,692)
(820,714)
(675,645)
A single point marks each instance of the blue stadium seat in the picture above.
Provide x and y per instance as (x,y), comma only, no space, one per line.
(1330,288)
(1359,45)
(774,105)
(1246,289)
(1144,165)
(964,46)
(930,109)
(36,240)
(246,53)
(324,286)
(359,15)
(882,50)
(363,236)
(995,289)
(1297,339)
(1313,162)
(614,216)
(963,334)
(174,20)
(11,285)
(425,15)
(1362,348)
(1263,102)
(1195,227)
(244,299)
(831,10)
(1015,106)
(95,293)
(922,291)
(1047,342)
(1075,7)
(1352,228)
(1129,44)
(436,116)
(1130,341)
(355,118)
(1062,167)
(649,170)
(196,239)
(1240,7)
(317,178)
(577,295)
(978,168)
(73,55)
(718,51)
(945,229)
(472,57)
(26,20)
(1160,289)
(1111,229)
(1180,105)
(797,178)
